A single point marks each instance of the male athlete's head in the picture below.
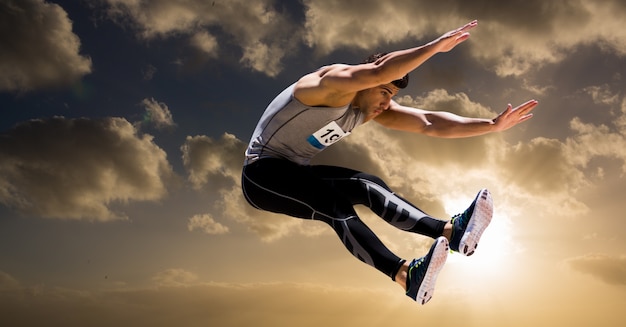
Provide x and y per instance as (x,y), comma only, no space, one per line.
(399,83)
(374,101)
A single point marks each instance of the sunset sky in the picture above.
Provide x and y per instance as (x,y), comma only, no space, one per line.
(124,123)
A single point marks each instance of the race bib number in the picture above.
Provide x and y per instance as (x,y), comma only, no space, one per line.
(327,135)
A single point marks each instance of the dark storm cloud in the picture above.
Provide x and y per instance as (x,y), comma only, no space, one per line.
(37,47)
(75,168)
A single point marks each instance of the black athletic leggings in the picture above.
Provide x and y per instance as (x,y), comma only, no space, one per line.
(328,194)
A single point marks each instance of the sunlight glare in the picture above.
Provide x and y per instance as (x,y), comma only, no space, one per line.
(493,261)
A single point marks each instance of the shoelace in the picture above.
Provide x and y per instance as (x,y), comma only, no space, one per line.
(417,264)
(457,216)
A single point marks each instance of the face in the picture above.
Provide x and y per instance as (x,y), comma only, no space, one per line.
(372,102)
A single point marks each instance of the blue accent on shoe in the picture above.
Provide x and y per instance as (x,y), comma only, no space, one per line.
(469,225)
(459,223)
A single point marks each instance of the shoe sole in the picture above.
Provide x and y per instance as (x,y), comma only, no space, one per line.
(437,261)
(480,219)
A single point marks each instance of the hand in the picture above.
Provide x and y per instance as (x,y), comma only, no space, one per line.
(513,116)
(451,39)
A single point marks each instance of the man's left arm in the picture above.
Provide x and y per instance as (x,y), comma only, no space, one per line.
(449,125)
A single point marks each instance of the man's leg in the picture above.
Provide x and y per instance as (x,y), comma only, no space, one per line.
(463,231)
(300,193)
(284,187)
(373,192)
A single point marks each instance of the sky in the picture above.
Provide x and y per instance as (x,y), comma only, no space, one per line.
(124,123)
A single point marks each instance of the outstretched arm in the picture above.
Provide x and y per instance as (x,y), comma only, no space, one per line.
(336,85)
(449,125)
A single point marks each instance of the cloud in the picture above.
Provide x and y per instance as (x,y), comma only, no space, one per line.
(184,301)
(75,168)
(263,34)
(609,269)
(596,141)
(207,224)
(148,72)
(546,172)
(213,162)
(542,165)
(602,94)
(421,168)
(539,173)
(214,167)
(189,302)
(175,278)
(157,114)
(433,172)
(7,282)
(466,151)
(39,49)
(418,168)
(180,298)
(205,42)
(331,25)
(506,40)
(620,122)
(267,225)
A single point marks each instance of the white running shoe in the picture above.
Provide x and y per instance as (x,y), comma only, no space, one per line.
(422,276)
(469,226)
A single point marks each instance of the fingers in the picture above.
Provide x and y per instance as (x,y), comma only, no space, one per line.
(462,37)
(524,118)
(471,24)
(520,113)
(506,112)
(513,116)
(456,36)
(526,107)
(532,102)
(461,33)
(467,26)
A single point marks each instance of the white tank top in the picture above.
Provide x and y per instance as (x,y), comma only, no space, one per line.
(291,130)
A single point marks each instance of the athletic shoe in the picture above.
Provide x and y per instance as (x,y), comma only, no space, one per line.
(420,283)
(469,226)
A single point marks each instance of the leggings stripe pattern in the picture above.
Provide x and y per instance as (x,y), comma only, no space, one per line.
(328,194)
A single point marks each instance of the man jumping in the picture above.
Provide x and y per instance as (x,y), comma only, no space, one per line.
(323,107)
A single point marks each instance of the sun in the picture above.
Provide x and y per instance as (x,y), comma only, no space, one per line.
(493,262)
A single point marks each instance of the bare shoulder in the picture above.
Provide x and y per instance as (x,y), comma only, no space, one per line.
(315,89)
(316,78)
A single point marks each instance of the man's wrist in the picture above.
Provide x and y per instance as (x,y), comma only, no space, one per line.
(433,46)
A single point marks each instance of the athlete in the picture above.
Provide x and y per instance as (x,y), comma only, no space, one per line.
(323,107)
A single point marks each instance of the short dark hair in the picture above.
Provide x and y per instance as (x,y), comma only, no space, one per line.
(399,83)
